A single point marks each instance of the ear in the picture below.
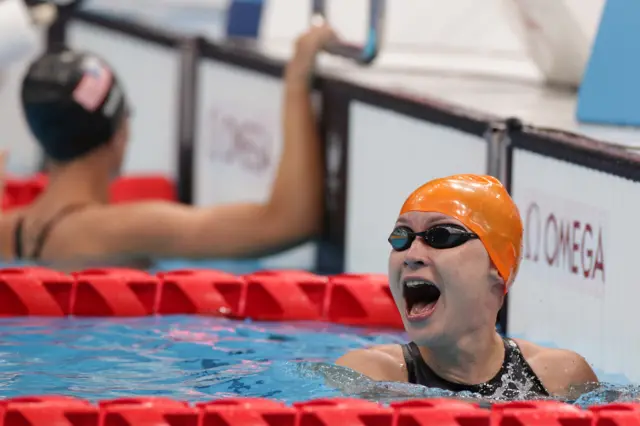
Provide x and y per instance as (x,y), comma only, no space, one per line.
(495,276)
(497,282)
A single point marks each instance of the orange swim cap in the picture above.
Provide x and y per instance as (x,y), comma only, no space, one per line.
(483,205)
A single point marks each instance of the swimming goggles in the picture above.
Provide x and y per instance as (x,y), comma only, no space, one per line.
(439,237)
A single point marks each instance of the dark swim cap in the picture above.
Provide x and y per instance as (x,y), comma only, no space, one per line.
(72,102)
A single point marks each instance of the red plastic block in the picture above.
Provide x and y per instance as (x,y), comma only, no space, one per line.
(616,414)
(35,291)
(543,417)
(440,411)
(292,273)
(343,411)
(555,406)
(54,411)
(246,411)
(23,192)
(617,418)
(38,271)
(200,292)
(362,300)
(115,271)
(47,400)
(116,292)
(136,188)
(419,416)
(244,403)
(439,403)
(335,403)
(616,406)
(33,187)
(160,413)
(282,296)
(149,401)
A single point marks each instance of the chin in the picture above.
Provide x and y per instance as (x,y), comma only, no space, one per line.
(424,335)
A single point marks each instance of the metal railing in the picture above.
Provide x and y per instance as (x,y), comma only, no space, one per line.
(368,52)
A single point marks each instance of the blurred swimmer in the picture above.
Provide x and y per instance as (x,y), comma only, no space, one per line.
(455,252)
(78,112)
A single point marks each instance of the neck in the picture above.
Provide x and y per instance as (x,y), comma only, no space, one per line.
(84,181)
(473,359)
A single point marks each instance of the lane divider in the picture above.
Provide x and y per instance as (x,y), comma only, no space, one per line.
(157,411)
(350,299)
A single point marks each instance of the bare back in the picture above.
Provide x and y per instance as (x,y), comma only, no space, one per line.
(67,236)
(101,234)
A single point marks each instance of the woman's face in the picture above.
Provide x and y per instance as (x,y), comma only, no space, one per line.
(447,293)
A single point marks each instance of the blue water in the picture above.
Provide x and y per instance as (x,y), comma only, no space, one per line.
(198,359)
(185,357)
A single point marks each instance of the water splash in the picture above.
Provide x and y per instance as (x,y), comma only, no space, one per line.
(349,383)
(607,393)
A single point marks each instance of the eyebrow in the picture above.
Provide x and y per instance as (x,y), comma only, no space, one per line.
(402,221)
(440,220)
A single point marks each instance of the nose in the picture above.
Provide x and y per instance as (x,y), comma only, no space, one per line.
(416,256)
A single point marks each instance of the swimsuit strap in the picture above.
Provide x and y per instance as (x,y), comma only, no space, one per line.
(41,237)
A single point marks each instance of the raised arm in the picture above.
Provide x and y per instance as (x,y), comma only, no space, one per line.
(292,213)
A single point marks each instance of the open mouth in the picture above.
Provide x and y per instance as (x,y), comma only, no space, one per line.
(421,297)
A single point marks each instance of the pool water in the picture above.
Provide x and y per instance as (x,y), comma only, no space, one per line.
(198,359)
(184,357)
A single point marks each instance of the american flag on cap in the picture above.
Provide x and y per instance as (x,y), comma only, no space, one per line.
(94,85)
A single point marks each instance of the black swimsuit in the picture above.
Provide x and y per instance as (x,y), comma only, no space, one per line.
(515,379)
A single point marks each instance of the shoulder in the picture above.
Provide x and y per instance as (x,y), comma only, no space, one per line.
(112,230)
(382,362)
(563,372)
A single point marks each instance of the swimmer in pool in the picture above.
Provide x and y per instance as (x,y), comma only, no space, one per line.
(78,113)
(455,252)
